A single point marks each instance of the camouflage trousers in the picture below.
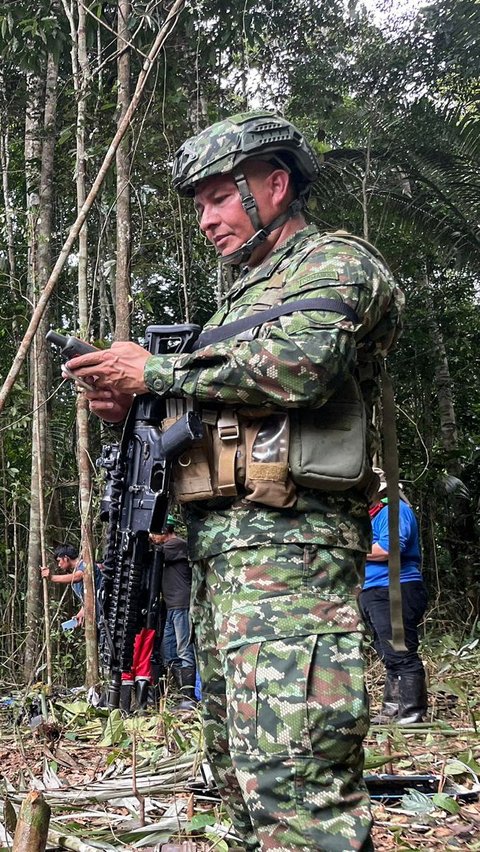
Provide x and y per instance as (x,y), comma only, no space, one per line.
(284,721)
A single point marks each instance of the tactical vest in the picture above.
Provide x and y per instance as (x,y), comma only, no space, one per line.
(262,455)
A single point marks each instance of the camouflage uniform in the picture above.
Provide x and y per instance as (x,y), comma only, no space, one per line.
(274,599)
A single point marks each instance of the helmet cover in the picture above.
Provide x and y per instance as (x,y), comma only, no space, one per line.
(220,148)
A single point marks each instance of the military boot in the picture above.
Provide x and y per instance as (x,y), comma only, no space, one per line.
(389,709)
(412,698)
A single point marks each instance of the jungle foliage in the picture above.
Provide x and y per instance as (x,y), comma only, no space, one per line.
(392,109)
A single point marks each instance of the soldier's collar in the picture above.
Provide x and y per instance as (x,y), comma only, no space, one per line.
(268,267)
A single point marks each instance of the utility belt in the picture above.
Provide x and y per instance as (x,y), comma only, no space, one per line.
(263,455)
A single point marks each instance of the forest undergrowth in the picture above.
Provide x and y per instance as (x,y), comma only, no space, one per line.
(130,783)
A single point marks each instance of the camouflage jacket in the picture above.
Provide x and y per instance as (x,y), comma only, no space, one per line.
(296,361)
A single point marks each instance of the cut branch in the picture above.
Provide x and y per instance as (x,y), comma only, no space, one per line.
(32,824)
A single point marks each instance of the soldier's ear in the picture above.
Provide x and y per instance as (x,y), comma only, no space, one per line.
(279,181)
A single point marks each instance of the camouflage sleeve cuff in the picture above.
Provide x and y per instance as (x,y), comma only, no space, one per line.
(158,374)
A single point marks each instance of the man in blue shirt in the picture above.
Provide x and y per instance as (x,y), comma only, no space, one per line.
(72,567)
(405,692)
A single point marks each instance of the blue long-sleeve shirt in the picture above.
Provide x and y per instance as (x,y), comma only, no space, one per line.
(376,573)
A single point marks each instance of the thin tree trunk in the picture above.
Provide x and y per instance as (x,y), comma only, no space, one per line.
(40,144)
(39,416)
(365,183)
(443,386)
(81,72)
(4,164)
(448,421)
(33,135)
(122,277)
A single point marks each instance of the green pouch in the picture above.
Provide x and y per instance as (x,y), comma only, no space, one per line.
(327,448)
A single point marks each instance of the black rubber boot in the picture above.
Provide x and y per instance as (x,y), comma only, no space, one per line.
(412,698)
(125,702)
(176,672)
(188,677)
(389,709)
(141,693)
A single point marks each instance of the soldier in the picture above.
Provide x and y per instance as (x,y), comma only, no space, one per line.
(280,536)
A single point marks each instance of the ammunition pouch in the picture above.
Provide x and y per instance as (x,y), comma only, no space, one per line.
(234,458)
(328,445)
(191,473)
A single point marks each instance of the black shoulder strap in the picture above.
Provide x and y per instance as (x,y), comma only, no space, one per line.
(232,329)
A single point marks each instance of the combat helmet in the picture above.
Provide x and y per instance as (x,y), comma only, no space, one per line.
(223,147)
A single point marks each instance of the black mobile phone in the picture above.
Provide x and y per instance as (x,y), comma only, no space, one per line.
(70,347)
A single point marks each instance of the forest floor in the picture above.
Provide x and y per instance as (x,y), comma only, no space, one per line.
(114,783)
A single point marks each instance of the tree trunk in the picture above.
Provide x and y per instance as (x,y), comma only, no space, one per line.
(33,136)
(4,165)
(82,76)
(122,276)
(365,188)
(32,824)
(444,386)
(40,143)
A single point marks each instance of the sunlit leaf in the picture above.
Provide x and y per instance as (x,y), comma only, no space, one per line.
(446,803)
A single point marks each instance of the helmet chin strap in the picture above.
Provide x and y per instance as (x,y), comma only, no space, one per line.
(244,252)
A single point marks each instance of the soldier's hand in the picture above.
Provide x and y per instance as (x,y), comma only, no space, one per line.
(119,368)
(109,405)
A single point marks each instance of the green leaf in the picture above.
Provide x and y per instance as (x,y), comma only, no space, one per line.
(76,708)
(114,729)
(65,135)
(417,802)
(455,767)
(201,820)
(374,760)
(469,760)
(446,803)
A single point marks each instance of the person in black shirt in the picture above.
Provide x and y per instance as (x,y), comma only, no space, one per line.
(178,650)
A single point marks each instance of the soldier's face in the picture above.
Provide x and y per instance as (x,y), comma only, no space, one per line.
(221,216)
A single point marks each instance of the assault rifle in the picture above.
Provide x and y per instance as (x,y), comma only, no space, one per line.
(136,502)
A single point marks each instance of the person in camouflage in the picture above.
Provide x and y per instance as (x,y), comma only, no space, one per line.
(277,627)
